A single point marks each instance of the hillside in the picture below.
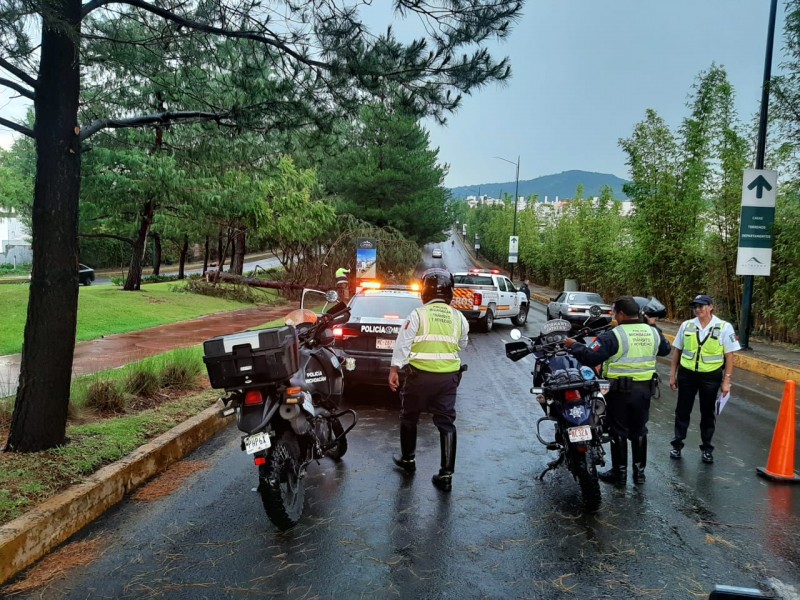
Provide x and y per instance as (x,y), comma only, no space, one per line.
(562,185)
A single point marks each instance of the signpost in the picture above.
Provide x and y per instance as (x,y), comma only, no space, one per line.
(513,249)
(759,190)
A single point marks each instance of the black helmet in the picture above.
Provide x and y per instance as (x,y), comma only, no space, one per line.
(437,283)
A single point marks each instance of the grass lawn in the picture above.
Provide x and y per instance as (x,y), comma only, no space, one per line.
(105,310)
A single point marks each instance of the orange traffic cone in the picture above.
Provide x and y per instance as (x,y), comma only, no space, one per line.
(780,465)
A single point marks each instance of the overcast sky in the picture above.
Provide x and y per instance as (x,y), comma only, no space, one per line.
(584,72)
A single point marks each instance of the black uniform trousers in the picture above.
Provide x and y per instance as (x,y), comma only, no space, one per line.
(430,392)
(629,408)
(691,384)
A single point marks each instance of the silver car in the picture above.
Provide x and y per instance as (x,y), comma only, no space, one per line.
(574,307)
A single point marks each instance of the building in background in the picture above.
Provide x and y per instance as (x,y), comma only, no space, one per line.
(15,239)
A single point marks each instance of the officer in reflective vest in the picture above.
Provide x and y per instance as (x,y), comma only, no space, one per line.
(342,285)
(628,353)
(426,350)
(702,365)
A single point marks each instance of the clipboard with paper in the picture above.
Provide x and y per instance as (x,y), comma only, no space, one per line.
(722,400)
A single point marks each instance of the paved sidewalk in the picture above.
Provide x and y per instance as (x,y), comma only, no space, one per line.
(115,351)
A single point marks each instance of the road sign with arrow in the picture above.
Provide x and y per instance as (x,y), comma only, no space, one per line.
(759,189)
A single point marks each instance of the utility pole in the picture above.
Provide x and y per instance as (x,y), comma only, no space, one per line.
(747,291)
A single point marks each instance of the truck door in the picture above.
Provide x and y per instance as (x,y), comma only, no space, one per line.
(507,303)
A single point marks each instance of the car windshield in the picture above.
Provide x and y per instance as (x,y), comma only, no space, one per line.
(585,298)
(382,307)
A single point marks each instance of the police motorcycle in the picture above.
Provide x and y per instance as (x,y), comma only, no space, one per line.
(285,385)
(572,398)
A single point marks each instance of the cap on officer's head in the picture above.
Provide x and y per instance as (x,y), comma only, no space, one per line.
(702,299)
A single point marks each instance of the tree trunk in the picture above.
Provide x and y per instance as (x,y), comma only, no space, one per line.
(184,252)
(220,251)
(40,412)
(205,256)
(134,281)
(156,253)
(239,247)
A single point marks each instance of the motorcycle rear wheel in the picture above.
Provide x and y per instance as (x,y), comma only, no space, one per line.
(589,483)
(339,450)
(280,484)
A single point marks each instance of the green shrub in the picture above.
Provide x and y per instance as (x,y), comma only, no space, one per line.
(141,382)
(180,372)
(105,395)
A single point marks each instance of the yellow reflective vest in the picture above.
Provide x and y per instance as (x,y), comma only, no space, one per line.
(706,356)
(636,355)
(435,346)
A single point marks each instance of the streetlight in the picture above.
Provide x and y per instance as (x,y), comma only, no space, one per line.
(516,199)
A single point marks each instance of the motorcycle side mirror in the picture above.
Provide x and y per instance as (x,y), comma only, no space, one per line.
(595,310)
(331,296)
(515,334)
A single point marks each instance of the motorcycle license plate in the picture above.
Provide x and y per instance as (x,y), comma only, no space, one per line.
(384,344)
(580,434)
(256,442)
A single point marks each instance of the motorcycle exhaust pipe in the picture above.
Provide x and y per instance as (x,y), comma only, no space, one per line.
(292,413)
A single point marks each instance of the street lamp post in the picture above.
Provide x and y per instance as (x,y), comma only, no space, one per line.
(516,200)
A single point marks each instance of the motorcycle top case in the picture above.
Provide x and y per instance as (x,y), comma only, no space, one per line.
(252,357)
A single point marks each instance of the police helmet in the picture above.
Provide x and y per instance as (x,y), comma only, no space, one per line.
(437,283)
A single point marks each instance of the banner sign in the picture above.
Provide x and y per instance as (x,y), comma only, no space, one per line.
(366,258)
(759,190)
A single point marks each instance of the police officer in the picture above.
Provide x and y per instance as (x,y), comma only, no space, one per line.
(342,284)
(628,352)
(702,364)
(426,350)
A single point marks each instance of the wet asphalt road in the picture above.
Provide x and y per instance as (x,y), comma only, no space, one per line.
(368,531)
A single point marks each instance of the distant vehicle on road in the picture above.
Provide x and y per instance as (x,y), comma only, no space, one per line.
(85,275)
(437,253)
(574,307)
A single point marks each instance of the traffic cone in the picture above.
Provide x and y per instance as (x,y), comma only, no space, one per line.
(780,465)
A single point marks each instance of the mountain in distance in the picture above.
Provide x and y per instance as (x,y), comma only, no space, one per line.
(562,185)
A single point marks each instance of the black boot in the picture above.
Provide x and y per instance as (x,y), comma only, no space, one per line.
(639,458)
(618,472)
(408,446)
(444,480)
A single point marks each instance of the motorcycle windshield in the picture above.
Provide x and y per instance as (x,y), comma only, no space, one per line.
(556,325)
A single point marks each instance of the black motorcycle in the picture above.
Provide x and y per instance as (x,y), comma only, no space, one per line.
(571,396)
(285,385)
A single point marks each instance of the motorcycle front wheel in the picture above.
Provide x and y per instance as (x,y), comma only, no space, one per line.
(586,473)
(280,484)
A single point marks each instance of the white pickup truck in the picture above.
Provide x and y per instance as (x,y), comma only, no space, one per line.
(483,296)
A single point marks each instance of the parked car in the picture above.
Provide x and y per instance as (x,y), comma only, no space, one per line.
(437,253)
(369,336)
(574,306)
(85,275)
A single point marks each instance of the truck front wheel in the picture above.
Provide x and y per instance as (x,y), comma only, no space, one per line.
(521,316)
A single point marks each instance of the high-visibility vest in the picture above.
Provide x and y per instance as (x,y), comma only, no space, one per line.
(341,275)
(706,357)
(636,355)
(435,346)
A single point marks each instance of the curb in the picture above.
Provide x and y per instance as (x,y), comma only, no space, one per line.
(29,537)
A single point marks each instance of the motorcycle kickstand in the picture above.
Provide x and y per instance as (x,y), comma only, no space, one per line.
(550,466)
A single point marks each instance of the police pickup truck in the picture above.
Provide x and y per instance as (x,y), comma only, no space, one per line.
(483,296)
